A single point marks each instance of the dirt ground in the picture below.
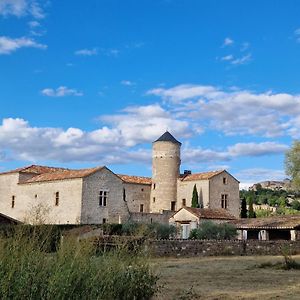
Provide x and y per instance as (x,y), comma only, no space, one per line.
(225,278)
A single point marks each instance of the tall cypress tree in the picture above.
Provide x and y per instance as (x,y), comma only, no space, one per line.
(251,213)
(244,208)
(195,202)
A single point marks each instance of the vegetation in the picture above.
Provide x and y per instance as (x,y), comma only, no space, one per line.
(212,231)
(74,271)
(292,164)
(195,198)
(226,278)
(244,211)
(285,202)
(251,213)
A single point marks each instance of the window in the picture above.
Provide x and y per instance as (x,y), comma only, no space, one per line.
(13,201)
(103,221)
(124,194)
(154,186)
(183,202)
(142,190)
(224,180)
(224,199)
(173,205)
(35,196)
(141,208)
(153,199)
(103,198)
(56,198)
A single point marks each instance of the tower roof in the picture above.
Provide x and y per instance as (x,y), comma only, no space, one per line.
(167,137)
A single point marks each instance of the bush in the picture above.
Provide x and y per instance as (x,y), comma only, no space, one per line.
(73,272)
(212,231)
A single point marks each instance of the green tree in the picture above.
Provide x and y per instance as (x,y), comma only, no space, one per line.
(295,204)
(243,208)
(292,164)
(251,213)
(195,201)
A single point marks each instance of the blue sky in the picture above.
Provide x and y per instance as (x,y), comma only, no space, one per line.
(85,83)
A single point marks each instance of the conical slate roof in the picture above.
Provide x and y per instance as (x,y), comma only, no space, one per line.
(167,137)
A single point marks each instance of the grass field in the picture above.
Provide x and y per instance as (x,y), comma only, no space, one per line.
(225,278)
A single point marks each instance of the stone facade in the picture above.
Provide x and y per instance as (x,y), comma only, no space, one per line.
(165,172)
(97,195)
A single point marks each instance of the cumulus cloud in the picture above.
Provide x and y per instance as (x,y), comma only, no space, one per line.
(127,83)
(248,177)
(227,57)
(9,45)
(87,52)
(21,8)
(61,91)
(235,112)
(119,141)
(242,60)
(227,42)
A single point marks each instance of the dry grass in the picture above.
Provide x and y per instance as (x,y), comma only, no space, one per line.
(226,278)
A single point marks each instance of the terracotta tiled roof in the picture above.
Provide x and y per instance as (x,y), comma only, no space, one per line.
(35,169)
(276,222)
(200,176)
(208,213)
(62,174)
(135,179)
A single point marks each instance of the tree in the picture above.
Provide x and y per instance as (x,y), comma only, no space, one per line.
(251,213)
(244,208)
(295,204)
(292,164)
(201,205)
(195,202)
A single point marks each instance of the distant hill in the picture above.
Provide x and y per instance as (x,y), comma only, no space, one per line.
(272,185)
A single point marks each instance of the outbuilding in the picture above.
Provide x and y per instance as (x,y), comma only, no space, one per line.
(271,228)
(188,218)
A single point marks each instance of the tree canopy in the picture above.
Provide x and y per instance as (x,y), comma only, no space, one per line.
(195,198)
(292,164)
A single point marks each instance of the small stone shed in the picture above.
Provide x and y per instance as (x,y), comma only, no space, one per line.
(271,228)
(188,218)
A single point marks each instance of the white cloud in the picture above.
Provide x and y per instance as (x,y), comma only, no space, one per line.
(242,60)
(248,177)
(257,149)
(87,52)
(127,82)
(61,91)
(234,112)
(228,41)
(297,34)
(182,92)
(9,45)
(245,46)
(21,8)
(34,24)
(227,57)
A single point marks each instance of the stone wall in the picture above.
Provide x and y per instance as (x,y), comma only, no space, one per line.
(185,191)
(137,194)
(188,248)
(149,218)
(35,202)
(116,209)
(231,188)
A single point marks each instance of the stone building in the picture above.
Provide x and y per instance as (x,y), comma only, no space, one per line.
(98,195)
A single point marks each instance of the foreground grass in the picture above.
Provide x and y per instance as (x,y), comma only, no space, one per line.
(75,271)
(226,278)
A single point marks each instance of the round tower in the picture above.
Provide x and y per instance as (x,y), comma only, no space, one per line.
(165,172)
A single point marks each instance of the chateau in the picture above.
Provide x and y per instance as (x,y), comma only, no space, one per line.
(98,195)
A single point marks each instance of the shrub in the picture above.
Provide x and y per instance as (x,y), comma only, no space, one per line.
(73,272)
(212,231)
